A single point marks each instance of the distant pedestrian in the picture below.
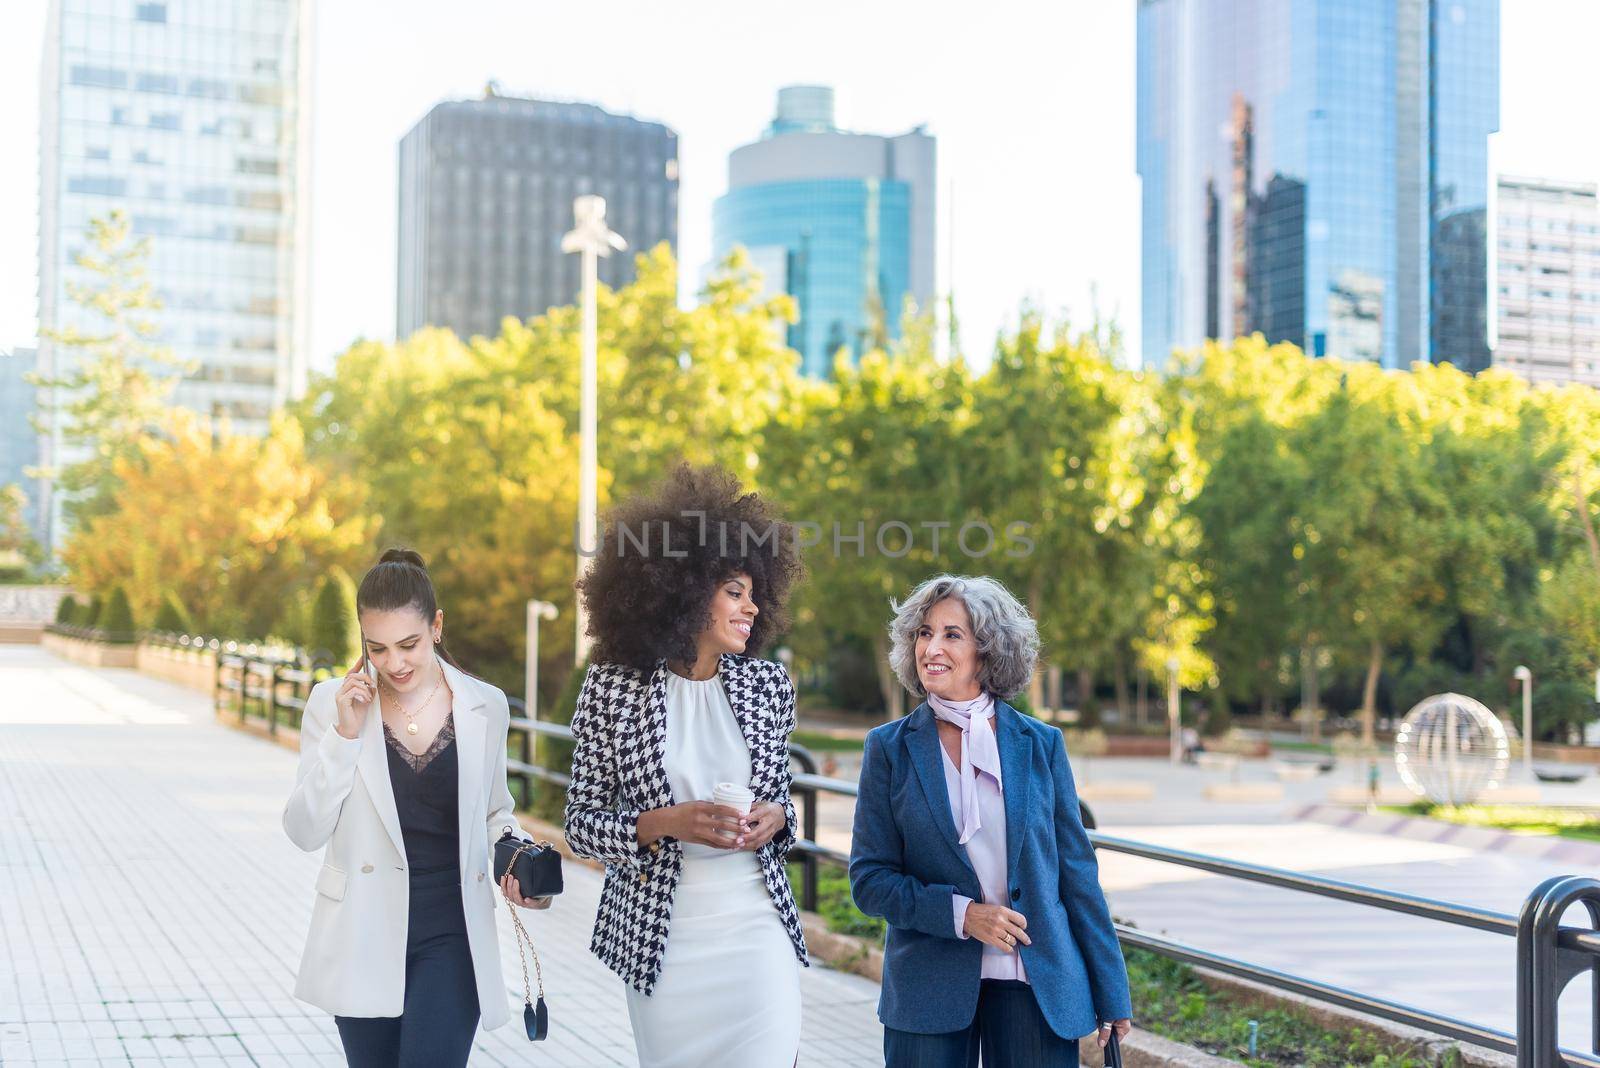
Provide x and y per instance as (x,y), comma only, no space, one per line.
(969,841)
(402,784)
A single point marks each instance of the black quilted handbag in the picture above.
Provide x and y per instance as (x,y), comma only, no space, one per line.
(537,867)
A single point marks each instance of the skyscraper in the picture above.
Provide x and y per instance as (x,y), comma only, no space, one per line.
(1317,170)
(486,192)
(191,118)
(843,222)
(1547,267)
(19,443)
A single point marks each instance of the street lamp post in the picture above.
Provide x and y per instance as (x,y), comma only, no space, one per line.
(537,610)
(592,239)
(1173,712)
(1524,676)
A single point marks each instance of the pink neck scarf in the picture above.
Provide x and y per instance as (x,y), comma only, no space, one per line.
(980,752)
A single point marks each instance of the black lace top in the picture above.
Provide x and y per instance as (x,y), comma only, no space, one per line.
(427,795)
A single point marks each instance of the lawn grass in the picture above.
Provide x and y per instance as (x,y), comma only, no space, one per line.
(818,742)
(1304,747)
(1518,819)
(1170,999)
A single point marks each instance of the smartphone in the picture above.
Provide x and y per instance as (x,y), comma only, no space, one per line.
(367,665)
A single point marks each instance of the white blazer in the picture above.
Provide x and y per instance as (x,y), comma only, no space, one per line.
(355,957)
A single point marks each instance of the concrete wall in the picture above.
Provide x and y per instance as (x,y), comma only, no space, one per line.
(193,668)
(92,654)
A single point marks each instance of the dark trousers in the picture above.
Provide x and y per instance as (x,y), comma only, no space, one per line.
(440,1014)
(1008,1028)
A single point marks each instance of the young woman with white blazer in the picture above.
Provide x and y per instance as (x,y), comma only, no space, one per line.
(406,805)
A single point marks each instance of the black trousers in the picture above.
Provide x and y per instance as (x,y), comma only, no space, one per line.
(440,1015)
(1008,1027)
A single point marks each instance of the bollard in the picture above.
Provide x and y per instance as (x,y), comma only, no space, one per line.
(1255,1030)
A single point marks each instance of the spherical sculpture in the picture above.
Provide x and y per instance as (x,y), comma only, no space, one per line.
(1450,749)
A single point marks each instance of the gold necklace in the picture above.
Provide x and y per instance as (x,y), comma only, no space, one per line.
(411,717)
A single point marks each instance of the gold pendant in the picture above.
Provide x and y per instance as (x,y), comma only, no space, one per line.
(411,728)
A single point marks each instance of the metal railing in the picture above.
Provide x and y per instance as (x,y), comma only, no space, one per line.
(255,686)
(252,685)
(1549,956)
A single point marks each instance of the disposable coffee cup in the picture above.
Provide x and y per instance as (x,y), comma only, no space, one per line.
(734,796)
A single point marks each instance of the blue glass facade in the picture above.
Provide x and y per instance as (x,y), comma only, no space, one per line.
(1317,170)
(843,222)
(847,250)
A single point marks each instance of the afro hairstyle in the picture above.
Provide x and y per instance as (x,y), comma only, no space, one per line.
(662,555)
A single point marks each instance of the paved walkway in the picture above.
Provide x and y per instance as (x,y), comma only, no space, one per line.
(152,911)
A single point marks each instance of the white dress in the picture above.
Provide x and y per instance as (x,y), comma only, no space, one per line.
(729,991)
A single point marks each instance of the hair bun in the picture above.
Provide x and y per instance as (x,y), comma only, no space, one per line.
(402,556)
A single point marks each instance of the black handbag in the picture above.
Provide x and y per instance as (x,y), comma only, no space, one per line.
(537,867)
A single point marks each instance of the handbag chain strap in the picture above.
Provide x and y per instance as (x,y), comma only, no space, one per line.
(522,932)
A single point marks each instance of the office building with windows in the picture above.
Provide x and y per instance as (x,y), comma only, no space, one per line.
(1317,171)
(486,192)
(843,222)
(19,442)
(192,119)
(1547,280)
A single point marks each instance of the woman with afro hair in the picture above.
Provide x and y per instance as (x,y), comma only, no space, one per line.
(686,588)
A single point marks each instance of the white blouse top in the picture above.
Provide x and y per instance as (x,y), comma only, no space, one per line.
(704,746)
(987,852)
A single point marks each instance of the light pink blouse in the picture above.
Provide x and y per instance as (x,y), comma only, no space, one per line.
(987,851)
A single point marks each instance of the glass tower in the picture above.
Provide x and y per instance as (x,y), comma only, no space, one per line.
(192,119)
(1317,170)
(843,222)
(486,192)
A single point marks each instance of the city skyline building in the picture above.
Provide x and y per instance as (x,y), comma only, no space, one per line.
(19,442)
(1317,171)
(843,222)
(1547,280)
(486,191)
(193,120)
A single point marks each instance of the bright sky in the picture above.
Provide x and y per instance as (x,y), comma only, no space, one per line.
(1032,104)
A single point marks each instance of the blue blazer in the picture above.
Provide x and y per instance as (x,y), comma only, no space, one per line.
(906,863)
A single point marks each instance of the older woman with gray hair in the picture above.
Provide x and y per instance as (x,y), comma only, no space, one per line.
(968,841)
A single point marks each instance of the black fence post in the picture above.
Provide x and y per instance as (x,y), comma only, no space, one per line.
(808,827)
(1549,968)
(525,754)
(272,699)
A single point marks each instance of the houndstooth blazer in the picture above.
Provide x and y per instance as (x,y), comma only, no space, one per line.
(620,727)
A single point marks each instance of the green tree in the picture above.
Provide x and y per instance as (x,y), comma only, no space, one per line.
(335,630)
(873,462)
(112,378)
(20,552)
(469,450)
(230,523)
(1084,453)
(116,617)
(1368,530)
(172,617)
(18,547)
